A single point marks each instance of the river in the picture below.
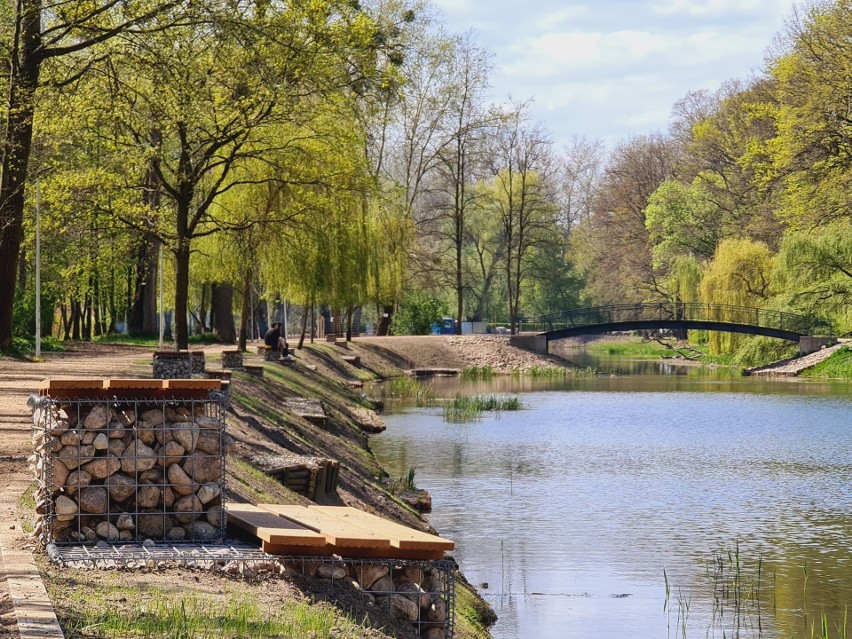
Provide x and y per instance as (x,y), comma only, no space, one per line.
(664,501)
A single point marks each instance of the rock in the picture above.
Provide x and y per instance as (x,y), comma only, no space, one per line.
(209,441)
(208,492)
(413,573)
(69,455)
(106,530)
(153,524)
(93,499)
(137,458)
(186,434)
(101,442)
(152,417)
(53,445)
(125,535)
(64,506)
(433,633)
(181,483)
(367,574)
(168,497)
(413,592)
(125,522)
(116,430)
(403,608)
(382,586)
(188,509)
(182,414)
(176,533)
(203,468)
(70,438)
(214,517)
(126,417)
(208,422)
(77,480)
(170,453)
(153,475)
(329,571)
(148,496)
(203,531)
(103,467)
(88,438)
(146,434)
(89,533)
(98,417)
(436,610)
(116,448)
(60,476)
(120,487)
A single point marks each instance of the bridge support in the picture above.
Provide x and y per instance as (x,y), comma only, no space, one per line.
(534,343)
(811,344)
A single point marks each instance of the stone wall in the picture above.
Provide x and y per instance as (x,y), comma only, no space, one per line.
(129,470)
(172,365)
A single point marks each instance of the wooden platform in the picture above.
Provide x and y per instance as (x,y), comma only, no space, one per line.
(128,388)
(307,408)
(344,531)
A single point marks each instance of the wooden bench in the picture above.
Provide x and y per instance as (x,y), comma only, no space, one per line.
(339,530)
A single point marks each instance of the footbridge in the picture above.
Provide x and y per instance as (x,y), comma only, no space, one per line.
(672,316)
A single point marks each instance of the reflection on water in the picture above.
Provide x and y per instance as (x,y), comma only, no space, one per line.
(572,509)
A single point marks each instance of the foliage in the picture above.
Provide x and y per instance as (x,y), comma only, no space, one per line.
(417,312)
(739,275)
(462,409)
(759,351)
(23,319)
(409,388)
(838,366)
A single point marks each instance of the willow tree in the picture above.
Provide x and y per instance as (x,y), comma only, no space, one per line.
(815,272)
(740,274)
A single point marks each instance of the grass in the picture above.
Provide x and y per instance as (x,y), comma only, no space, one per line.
(409,388)
(26,508)
(838,366)
(397,487)
(179,615)
(463,409)
(24,348)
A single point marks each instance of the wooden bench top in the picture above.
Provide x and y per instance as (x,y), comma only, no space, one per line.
(271,528)
(400,536)
(337,532)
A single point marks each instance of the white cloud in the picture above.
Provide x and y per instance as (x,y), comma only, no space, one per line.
(718,8)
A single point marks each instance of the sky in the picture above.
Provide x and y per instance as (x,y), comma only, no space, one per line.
(611,69)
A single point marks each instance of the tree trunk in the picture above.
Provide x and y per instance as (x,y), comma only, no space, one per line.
(222,303)
(384,321)
(306,311)
(26,61)
(246,310)
(181,293)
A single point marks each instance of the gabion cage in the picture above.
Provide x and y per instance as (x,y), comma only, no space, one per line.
(129,468)
(421,592)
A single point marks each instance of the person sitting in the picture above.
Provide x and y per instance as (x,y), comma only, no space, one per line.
(274,339)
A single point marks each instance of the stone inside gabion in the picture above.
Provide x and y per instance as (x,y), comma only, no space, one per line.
(129,471)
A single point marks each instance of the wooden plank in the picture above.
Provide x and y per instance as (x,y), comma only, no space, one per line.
(71,384)
(401,537)
(194,384)
(338,532)
(272,529)
(134,383)
(353,553)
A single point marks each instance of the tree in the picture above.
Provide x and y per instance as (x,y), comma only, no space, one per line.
(523,200)
(612,245)
(740,274)
(45,33)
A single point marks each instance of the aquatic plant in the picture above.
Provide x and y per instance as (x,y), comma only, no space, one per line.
(478,372)
(409,388)
(463,409)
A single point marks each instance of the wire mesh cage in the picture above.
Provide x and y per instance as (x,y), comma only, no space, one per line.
(128,468)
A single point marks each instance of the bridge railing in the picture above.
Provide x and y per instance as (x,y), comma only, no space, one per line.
(695,312)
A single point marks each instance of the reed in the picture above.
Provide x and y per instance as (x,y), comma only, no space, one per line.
(408,388)
(478,372)
(462,409)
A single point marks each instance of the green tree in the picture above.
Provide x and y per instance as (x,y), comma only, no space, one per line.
(740,274)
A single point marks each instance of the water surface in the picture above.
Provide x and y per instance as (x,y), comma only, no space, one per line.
(572,509)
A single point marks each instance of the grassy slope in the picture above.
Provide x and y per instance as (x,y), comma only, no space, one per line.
(838,366)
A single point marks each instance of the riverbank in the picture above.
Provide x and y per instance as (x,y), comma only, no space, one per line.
(261,429)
